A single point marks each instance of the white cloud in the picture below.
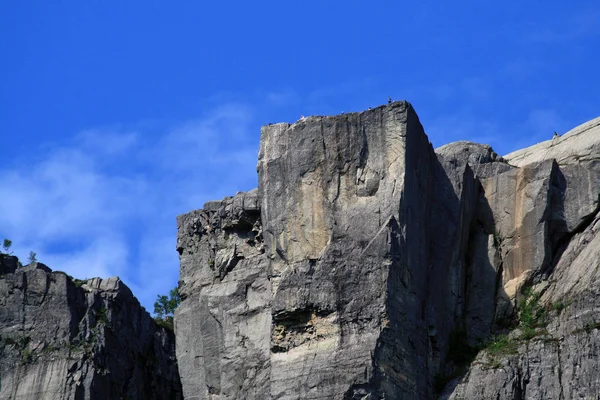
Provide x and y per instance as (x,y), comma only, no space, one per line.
(105,204)
(105,256)
(107,141)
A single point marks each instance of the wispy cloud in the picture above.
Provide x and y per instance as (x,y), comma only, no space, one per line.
(105,203)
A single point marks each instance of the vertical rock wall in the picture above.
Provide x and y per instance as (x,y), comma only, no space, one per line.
(66,339)
(223,325)
(366,266)
(347,306)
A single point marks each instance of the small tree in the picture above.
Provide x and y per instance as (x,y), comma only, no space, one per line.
(32,257)
(6,245)
(164,308)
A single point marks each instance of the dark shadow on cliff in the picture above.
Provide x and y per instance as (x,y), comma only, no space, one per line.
(442,287)
(559,235)
(473,261)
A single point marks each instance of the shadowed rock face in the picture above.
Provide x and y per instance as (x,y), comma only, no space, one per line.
(559,212)
(66,339)
(364,260)
(329,292)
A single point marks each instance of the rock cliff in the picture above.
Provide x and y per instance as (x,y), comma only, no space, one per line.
(62,338)
(368,266)
(551,352)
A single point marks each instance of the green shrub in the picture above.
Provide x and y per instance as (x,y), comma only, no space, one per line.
(531,312)
(79,282)
(501,345)
(165,306)
(6,245)
(101,316)
(166,323)
(32,257)
(26,356)
(24,341)
(590,326)
(528,333)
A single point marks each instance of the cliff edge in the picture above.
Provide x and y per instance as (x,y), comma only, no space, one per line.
(63,338)
(366,265)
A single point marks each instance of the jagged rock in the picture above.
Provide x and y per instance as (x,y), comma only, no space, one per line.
(346,306)
(480,157)
(560,361)
(67,339)
(8,264)
(223,324)
(368,266)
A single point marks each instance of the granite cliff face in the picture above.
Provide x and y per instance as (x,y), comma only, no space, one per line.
(556,356)
(62,338)
(367,266)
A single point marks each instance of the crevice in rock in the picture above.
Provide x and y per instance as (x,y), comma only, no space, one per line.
(562,244)
(498,289)
(48,281)
(360,392)
(561,394)
(294,328)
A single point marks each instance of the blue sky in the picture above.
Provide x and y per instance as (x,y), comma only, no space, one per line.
(116,116)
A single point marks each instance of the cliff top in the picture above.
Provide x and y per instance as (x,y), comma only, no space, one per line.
(577,145)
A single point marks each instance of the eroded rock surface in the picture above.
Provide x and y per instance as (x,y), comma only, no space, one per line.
(67,339)
(558,357)
(368,266)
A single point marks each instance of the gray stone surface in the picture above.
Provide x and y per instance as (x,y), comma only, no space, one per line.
(357,215)
(342,198)
(368,266)
(223,325)
(561,360)
(66,339)
(579,146)
(364,266)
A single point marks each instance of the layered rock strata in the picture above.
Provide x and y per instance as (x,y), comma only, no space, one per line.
(556,356)
(365,262)
(62,338)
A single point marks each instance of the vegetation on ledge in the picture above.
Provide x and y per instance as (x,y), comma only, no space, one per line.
(164,308)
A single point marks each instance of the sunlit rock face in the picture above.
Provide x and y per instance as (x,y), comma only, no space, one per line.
(62,338)
(551,242)
(364,258)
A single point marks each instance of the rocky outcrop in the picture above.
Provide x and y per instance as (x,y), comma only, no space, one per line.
(367,266)
(319,284)
(223,324)
(344,204)
(62,338)
(552,353)
(579,146)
